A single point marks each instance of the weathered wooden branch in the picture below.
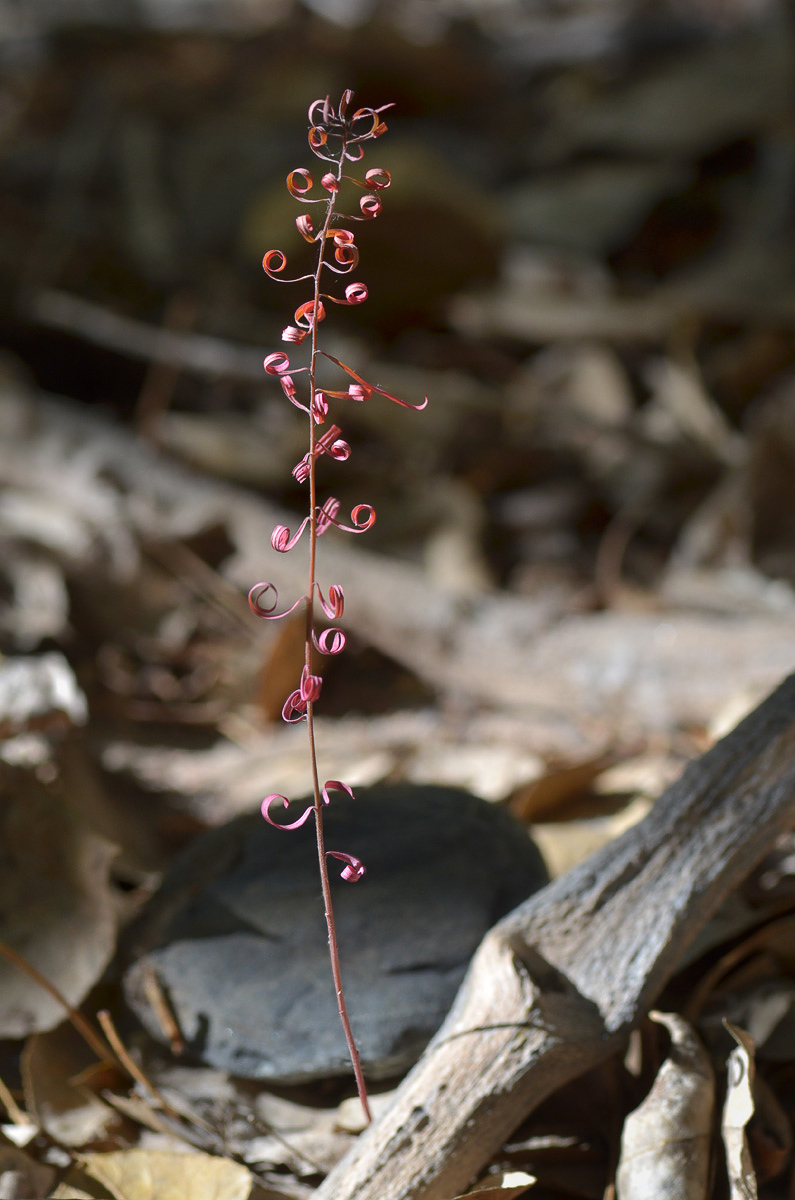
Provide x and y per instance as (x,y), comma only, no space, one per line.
(557,984)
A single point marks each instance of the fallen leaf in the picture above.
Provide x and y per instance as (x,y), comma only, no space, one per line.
(737,1112)
(665,1142)
(160,1175)
(504,1187)
(68,1112)
(56,904)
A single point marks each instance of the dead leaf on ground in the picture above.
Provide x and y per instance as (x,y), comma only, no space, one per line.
(737,1112)
(56,901)
(159,1175)
(666,1140)
(67,1110)
(547,798)
(504,1187)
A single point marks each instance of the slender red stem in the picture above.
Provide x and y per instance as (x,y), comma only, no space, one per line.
(310,623)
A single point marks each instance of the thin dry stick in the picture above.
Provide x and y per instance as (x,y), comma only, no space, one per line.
(138,1074)
(16,1114)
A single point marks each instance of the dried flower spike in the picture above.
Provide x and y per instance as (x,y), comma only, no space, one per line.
(335,136)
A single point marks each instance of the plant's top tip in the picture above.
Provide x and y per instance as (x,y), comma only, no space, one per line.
(327,121)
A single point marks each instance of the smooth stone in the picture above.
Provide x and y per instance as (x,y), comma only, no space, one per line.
(237,939)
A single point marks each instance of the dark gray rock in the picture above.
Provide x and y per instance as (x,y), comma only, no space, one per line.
(237,938)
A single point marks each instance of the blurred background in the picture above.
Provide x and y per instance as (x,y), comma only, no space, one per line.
(586,255)
(590,201)
(585,259)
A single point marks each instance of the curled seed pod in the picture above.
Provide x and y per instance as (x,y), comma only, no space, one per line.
(305,227)
(356,293)
(319,408)
(266,807)
(347,255)
(330,641)
(371,387)
(281,539)
(294,708)
(326,514)
(377,178)
(300,182)
(311,686)
(276,363)
(334,604)
(306,314)
(330,183)
(302,469)
(296,336)
(354,868)
(330,443)
(257,600)
(335,785)
(362,517)
(274,262)
(370,206)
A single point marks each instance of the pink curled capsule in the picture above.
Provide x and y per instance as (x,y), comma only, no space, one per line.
(310,687)
(302,469)
(291,334)
(257,602)
(299,182)
(294,708)
(277,363)
(305,227)
(335,785)
(354,869)
(326,514)
(356,293)
(281,540)
(266,806)
(330,641)
(335,603)
(330,443)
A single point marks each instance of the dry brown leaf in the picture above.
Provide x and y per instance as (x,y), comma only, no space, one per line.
(545,799)
(665,1143)
(70,1113)
(56,902)
(160,1175)
(737,1112)
(504,1187)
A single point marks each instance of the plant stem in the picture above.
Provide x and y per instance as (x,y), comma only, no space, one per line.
(310,619)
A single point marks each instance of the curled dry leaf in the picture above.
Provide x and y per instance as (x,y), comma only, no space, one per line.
(56,904)
(737,1112)
(665,1143)
(160,1175)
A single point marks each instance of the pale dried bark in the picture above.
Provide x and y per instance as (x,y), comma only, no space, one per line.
(557,984)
